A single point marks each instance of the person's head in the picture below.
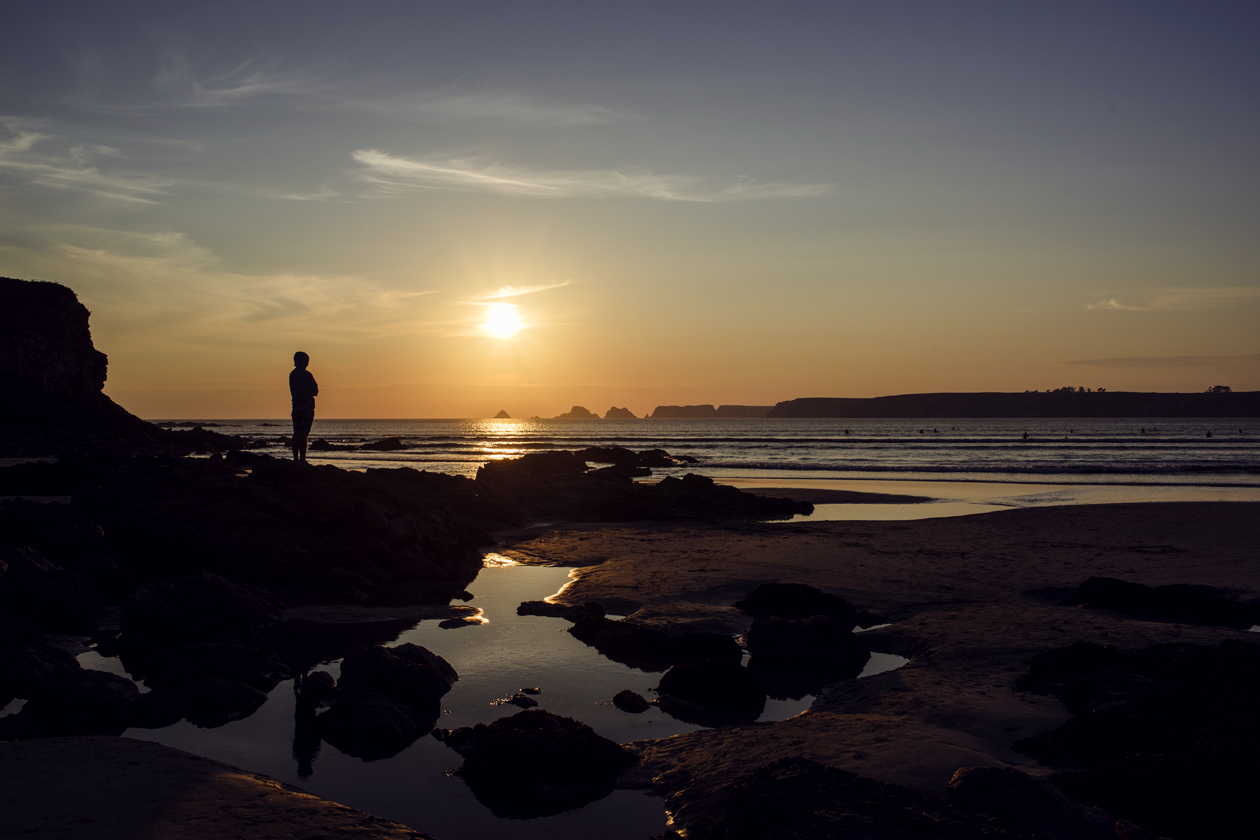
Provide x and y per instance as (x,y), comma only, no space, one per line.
(300,359)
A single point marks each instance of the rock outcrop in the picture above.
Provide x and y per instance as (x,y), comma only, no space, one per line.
(52,379)
(577,413)
(536,764)
(614,413)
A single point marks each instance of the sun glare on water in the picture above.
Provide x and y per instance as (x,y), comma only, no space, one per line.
(502,321)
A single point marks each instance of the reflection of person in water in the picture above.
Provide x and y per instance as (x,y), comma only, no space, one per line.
(303,389)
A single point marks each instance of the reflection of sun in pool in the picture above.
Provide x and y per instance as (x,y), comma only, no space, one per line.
(502,321)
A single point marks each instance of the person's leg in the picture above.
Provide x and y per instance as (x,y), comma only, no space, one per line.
(301,432)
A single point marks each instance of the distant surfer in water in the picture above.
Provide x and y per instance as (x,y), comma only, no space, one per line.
(303,389)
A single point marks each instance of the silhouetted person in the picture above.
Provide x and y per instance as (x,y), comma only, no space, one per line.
(303,389)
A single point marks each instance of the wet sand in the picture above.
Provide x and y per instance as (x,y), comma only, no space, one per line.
(971,599)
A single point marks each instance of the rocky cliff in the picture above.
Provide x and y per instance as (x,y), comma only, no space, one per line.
(51,379)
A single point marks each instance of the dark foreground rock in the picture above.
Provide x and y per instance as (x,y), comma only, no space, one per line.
(1182,603)
(799,799)
(559,483)
(536,764)
(798,656)
(1034,807)
(386,699)
(712,693)
(52,379)
(1160,736)
(649,649)
(798,600)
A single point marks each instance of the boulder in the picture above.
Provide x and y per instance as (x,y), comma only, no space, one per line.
(725,692)
(1157,734)
(649,649)
(199,608)
(536,764)
(798,656)
(1182,603)
(630,701)
(44,594)
(572,612)
(797,600)
(389,444)
(367,725)
(77,701)
(407,674)
(796,798)
(1035,807)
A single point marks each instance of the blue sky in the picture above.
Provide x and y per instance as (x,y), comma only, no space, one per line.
(708,202)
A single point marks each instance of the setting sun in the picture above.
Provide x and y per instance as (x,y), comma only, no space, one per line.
(502,321)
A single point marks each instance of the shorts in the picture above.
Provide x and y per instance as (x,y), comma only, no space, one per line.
(302,420)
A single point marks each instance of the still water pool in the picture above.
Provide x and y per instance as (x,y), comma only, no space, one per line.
(494,660)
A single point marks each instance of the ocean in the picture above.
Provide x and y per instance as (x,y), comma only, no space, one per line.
(1202,452)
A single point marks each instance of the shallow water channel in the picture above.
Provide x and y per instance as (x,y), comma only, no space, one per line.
(494,660)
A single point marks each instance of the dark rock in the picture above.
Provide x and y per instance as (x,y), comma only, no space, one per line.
(536,764)
(257,667)
(52,379)
(199,608)
(502,415)
(1035,807)
(314,688)
(518,699)
(407,674)
(1182,603)
(570,612)
(649,649)
(798,656)
(76,701)
(799,799)
(1158,734)
(577,413)
(389,444)
(210,702)
(726,692)
(866,619)
(289,527)
(67,539)
(615,413)
(45,595)
(321,445)
(366,725)
(797,600)
(630,701)
(531,690)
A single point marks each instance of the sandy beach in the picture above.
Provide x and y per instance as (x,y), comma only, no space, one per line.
(970,600)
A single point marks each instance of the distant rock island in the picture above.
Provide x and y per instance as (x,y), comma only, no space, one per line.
(577,413)
(502,415)
(709,412)
(615,413)
(1216,402)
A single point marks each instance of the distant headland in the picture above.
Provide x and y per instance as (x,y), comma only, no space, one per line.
(1217,401)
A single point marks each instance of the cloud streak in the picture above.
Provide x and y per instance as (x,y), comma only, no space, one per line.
(518,291)
(393,174)
(1181,299)
(1167,361)
(31,156)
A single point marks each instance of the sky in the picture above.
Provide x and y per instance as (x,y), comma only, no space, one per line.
(462,208)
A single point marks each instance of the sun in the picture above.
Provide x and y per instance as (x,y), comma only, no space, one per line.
(502,321)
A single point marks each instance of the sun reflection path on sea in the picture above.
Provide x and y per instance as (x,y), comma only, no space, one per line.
(503,437)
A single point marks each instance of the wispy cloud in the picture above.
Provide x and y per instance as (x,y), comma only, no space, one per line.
(1176,299)
(1167,361)
(518,291)
(395,174)
(31,154)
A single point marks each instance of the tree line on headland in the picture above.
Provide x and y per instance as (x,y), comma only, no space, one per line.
(1216,401)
